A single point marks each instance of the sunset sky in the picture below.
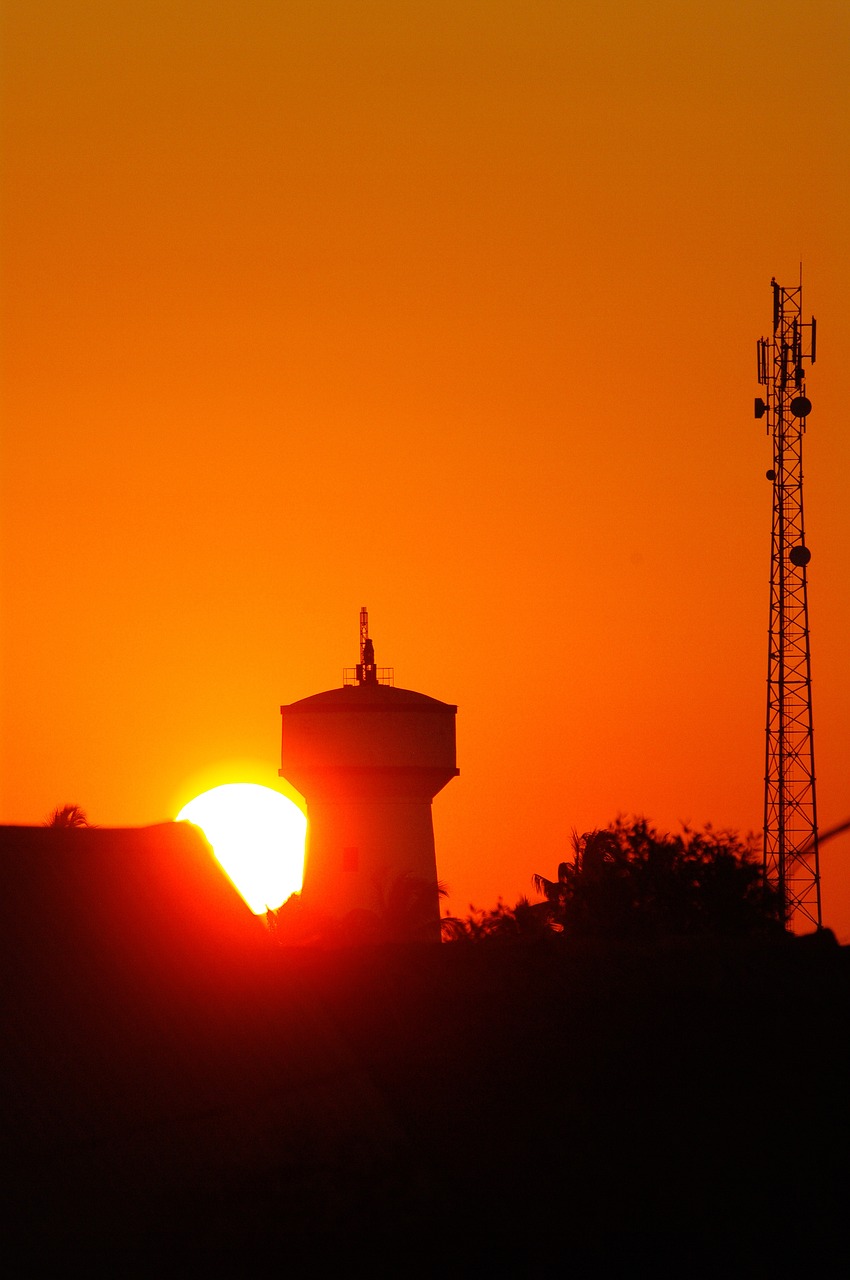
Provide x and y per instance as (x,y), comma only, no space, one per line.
(448,308)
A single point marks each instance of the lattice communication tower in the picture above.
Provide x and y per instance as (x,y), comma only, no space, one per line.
(791,861)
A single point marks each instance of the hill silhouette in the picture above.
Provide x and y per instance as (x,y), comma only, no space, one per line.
(186,1094)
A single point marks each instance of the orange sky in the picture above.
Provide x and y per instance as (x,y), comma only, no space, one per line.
(446,308)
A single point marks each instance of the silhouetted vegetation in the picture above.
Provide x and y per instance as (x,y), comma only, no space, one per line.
(526,921)
(179,1096)
(68,815)
(631,881)
(404,911)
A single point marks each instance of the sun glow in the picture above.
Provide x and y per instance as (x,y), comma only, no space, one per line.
(257,836)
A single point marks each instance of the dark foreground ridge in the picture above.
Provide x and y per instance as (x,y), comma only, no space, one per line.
(179,1094)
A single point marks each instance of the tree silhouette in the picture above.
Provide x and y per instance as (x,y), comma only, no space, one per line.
(68,815)
(633,881)
(403,911)
(405,906)
(526,921)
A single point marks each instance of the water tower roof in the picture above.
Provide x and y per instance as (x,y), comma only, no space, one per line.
(369,697)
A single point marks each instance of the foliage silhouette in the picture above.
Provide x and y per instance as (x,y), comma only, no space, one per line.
(525,922)
(633,881)
(627,881)
(68,815)
(405,907)
(403,912)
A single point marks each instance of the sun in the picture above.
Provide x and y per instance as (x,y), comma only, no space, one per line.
(257,835)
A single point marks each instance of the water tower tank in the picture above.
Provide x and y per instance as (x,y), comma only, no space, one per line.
(368,759)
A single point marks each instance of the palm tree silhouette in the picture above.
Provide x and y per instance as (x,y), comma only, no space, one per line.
(405,906)
(68,815)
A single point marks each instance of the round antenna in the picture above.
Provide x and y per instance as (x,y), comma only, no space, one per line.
(801,406)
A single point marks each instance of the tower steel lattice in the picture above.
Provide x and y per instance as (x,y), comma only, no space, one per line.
(791,860)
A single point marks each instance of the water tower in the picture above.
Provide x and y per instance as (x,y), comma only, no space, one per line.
(369,759)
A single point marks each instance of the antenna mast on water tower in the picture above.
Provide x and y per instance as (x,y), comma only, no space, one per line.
(791,861)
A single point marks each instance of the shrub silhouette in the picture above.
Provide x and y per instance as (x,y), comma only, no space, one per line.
(404,910)
(528,922)
(630,880)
